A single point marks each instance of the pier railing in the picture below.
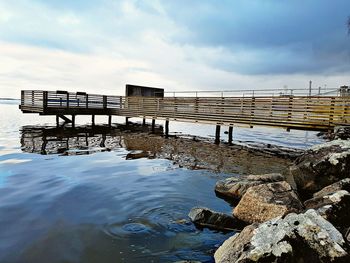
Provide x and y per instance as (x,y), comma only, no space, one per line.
(289,111)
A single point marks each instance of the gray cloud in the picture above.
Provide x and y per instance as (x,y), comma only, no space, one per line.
(285,36)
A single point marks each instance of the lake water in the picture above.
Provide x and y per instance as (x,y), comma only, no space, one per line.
(74,198)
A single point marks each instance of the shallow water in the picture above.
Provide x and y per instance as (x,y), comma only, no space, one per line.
(91,203)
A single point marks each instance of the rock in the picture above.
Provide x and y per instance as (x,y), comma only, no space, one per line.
(340,185)
(234,247)
(233,188)
(334,207)
(295,238)
(342,132)
(321,165)
(205,217)
(267,201)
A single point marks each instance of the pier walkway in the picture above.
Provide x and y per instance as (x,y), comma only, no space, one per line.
(285,111)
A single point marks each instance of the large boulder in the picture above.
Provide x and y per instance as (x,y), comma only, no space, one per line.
(205,217)
(342,132)
(340,185)
(335,207)
(321,165)
(267,201)
(303,237)
(234,188)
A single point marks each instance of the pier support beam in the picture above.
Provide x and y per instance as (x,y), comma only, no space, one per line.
(166,128)
(110,121)
(57,121)
(73,121)
(153,125)
(217,134)
(93,119)
(126,121)
(144,121)
(230,131)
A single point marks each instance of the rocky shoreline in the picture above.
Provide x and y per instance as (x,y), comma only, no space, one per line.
(299,216)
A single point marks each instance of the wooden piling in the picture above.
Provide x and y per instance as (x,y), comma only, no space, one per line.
(144,121)
(217,134)
(110,121)
(230,132)
(93,119)
(153,125)
(73,121)
(166,128)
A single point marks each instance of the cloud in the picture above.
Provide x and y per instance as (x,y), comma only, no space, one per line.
(99,46)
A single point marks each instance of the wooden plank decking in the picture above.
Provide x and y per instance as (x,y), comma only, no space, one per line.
(291,112)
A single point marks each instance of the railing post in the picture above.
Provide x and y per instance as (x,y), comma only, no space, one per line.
(331,112)
(252,109)
(105,102)
(290,108)
(67,100)
(22,97)
(45,98)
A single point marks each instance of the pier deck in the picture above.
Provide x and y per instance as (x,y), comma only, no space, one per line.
(287,111)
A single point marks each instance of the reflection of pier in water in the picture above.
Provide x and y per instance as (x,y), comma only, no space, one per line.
(78,140)
(140,143)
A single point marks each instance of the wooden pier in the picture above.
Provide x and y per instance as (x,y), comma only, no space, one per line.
(285,111)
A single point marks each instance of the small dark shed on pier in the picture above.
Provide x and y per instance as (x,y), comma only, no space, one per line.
(142,91)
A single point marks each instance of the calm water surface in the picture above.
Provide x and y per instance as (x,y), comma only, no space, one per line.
(101,207)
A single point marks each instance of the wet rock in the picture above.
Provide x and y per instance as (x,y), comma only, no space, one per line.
(234,188)
(335,207)
(205,217)
(321,165)
(295,238)
(267,201)
(340,185)
(342,132)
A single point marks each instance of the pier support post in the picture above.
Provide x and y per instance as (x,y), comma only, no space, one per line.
(73,121)
(230,131)
(110,121)
(153,125)
(57,121)
(166,128)
(144,121)
(126,121)
(217,134)
(93,119)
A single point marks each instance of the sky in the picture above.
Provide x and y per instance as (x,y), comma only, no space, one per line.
(98,46)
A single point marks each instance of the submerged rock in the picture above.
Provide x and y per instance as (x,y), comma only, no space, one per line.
(335,207)
(295,238)
(267,201)
(205,217)
(234,188)
(322,165)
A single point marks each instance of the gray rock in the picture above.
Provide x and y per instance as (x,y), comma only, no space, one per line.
(233,188)
(267,201)
(321,165)
(205,217)
(340,185)
(334,207)
(342,132)
(295,238)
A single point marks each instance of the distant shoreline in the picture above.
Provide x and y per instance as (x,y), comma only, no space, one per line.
(8,99)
